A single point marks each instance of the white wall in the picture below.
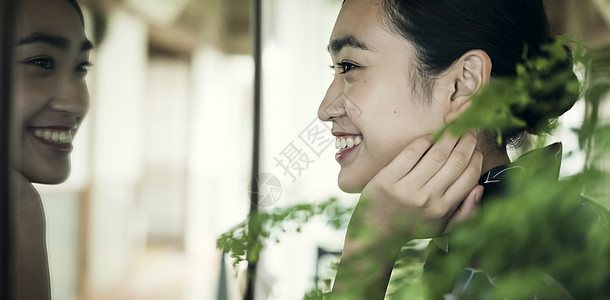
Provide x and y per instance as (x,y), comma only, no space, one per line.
(296,76)
(117,148)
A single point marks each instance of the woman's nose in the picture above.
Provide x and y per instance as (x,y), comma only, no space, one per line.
(332,105)
(72,98)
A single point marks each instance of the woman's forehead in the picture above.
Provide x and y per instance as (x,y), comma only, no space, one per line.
(357,16)
(56,17)
(361,24)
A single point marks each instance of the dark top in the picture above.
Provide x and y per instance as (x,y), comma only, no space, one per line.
(474,283)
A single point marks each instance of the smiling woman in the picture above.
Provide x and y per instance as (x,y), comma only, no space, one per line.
(51,99)
(405,70)
(52,57)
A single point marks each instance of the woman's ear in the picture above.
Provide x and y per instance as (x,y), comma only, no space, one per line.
(473,70)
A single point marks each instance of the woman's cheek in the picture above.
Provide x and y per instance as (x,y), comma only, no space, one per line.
(26,96)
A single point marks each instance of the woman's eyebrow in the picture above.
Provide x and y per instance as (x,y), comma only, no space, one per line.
(56,41)
(336,45)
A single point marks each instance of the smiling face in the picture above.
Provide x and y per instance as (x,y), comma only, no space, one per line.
(374,101)
(51,97)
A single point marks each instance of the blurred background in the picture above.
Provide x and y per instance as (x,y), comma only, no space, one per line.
(162,164)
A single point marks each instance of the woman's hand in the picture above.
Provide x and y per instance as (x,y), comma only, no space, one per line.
(425,188)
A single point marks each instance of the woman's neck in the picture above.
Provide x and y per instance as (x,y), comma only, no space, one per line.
(492,156)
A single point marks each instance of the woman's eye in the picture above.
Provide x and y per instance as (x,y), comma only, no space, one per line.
(346,67)
(83,67)
(41,62)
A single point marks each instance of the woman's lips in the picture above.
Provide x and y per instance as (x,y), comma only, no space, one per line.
(346,145)
(58,139)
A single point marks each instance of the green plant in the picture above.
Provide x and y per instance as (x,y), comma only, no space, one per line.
(270,225)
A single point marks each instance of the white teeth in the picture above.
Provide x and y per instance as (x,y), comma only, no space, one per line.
(58,137)
(65,137)
(350,142)
(344,143)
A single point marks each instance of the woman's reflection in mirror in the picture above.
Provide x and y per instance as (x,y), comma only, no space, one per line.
(51,99)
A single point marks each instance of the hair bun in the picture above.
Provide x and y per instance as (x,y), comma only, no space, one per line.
(552,86)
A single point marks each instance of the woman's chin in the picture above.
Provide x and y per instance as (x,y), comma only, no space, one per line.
(48,176)
(350,185)
(49,179)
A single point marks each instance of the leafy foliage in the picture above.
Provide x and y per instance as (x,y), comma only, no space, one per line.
(540,236)
(539,227)
(238,241)
(494,107)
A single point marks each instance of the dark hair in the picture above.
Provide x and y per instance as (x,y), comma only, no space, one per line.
(443,30)
(78,10)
